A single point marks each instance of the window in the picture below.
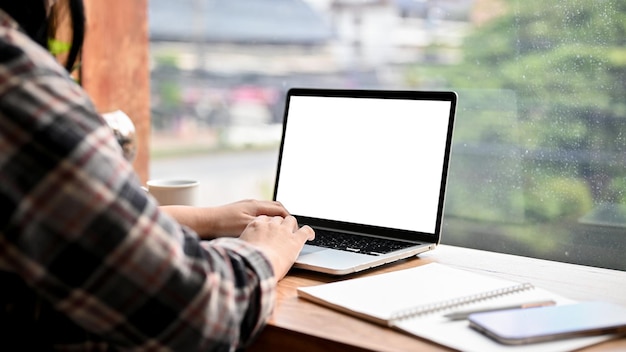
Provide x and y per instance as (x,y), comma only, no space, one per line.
(539,153)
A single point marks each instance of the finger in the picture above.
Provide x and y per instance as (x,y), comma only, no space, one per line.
(277,219)
(307,232)
(272,209)
(262,218)
(292,222)
(281,208)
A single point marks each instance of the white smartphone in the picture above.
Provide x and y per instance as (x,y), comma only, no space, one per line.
(530,325)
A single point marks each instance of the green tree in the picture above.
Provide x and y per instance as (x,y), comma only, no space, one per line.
(566,62)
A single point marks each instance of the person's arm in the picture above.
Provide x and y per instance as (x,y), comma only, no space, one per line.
(78,228)
(227,220)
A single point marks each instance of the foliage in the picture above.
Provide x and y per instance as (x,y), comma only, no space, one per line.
(565,61)
(558,197)
(168,92)
(58,47)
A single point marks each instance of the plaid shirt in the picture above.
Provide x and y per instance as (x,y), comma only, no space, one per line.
(87,260)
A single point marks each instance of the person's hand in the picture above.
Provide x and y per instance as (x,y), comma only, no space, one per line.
(226,220)
(232,219)
(279,239)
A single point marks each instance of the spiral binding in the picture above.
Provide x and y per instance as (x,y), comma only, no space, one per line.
(458,302)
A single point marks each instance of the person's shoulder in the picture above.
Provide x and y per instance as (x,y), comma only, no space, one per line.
(9,39)
(6,21)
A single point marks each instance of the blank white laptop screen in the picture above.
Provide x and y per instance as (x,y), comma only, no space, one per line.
(370,161)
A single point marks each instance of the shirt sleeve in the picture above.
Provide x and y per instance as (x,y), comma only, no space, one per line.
(77,227)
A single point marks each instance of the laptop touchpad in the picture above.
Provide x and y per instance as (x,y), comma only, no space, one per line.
(307,249)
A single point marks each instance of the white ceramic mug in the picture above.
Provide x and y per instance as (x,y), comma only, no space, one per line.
(174,191)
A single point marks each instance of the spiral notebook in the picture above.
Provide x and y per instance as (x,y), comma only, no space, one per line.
(417,300)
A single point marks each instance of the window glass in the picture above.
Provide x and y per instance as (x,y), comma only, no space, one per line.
(538,162)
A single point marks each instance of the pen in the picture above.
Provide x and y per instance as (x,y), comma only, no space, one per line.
(459,315)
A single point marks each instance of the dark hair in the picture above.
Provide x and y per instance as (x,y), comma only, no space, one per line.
(31,16)
(77,12)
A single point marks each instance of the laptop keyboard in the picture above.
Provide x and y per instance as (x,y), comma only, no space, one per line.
(357,244)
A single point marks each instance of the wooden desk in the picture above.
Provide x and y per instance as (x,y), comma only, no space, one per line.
(298,325)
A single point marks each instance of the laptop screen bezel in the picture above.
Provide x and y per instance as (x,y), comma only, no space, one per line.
(399,234)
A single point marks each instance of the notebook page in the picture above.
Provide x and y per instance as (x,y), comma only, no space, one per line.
(381,296)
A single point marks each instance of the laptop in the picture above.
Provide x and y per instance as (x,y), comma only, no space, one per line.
(367,170)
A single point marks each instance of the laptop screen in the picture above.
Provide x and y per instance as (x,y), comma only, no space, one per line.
(366,157)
